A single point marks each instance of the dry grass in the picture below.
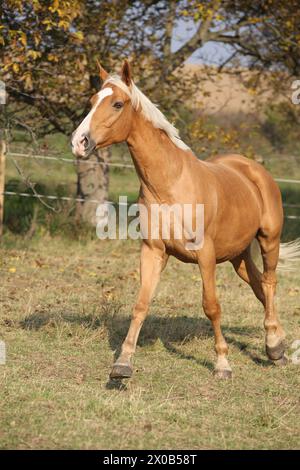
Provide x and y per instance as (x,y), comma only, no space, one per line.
(65,310)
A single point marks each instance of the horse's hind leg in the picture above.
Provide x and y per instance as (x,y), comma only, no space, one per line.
(274,332)
(264,286)
(247,270)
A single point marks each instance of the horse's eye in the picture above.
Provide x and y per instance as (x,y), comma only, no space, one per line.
(118,105)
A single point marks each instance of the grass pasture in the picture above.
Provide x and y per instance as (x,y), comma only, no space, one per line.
(66,300)
(65,310)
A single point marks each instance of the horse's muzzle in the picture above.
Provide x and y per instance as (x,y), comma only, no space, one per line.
(82,146)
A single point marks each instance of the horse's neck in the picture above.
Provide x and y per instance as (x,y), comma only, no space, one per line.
(157,160)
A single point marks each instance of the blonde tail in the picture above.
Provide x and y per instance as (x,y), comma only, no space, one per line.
(289,256)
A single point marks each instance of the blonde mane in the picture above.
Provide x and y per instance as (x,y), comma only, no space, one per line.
(149,110)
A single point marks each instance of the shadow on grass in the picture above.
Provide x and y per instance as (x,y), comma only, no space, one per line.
(242,346)
(116,384)
(171,331)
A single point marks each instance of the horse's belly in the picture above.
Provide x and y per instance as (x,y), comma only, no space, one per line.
(228,251)
(235,232)
(232,229)
(178,249)
(226,248)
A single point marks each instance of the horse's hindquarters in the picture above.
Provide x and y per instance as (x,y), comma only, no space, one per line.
(238,215)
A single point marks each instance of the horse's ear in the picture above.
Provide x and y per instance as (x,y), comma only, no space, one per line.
(102,72)
(126,73)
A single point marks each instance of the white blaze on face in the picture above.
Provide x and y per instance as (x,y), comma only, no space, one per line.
(84,128)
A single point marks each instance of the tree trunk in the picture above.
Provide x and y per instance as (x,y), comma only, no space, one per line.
(92,185)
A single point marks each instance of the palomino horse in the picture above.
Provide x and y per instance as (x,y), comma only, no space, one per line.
(241,202)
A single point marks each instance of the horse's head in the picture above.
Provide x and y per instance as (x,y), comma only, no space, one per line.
(109,119)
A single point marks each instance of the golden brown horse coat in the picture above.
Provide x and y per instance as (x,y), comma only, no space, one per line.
(241,201)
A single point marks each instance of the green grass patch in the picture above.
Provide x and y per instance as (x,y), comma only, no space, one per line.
(65,309)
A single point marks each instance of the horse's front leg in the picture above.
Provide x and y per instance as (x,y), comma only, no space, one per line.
(153,260)
(211,306)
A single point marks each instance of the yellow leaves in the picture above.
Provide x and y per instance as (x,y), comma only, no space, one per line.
(28,81)
(1,35)
(54,7)
(48,23)
(52,57)
(204,12)
(37,39)
(289,24)
(23,39)
(78,35)
(253,20)
(33,54)
(65,10)
(210,138)
(60,12)
(219,17)
(12,269)
(15,36)
(226,138)
(36,5)
(15,67)
(63,24)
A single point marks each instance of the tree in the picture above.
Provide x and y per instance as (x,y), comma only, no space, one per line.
(48,55)
(49,50)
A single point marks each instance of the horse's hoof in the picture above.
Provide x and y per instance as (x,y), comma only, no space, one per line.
(275,353)
(223,374)
(283,361)
(121,371)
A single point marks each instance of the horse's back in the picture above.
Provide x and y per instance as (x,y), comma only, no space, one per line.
(248,195)
(272,212)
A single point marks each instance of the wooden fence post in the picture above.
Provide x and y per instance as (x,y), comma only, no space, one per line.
(2,182)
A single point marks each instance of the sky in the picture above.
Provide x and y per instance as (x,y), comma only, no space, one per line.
(211,53)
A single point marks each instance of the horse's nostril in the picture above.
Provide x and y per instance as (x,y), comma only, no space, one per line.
(86,143)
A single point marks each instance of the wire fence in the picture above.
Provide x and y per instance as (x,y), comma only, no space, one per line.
(113,165)
(60,198)
(69,160)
